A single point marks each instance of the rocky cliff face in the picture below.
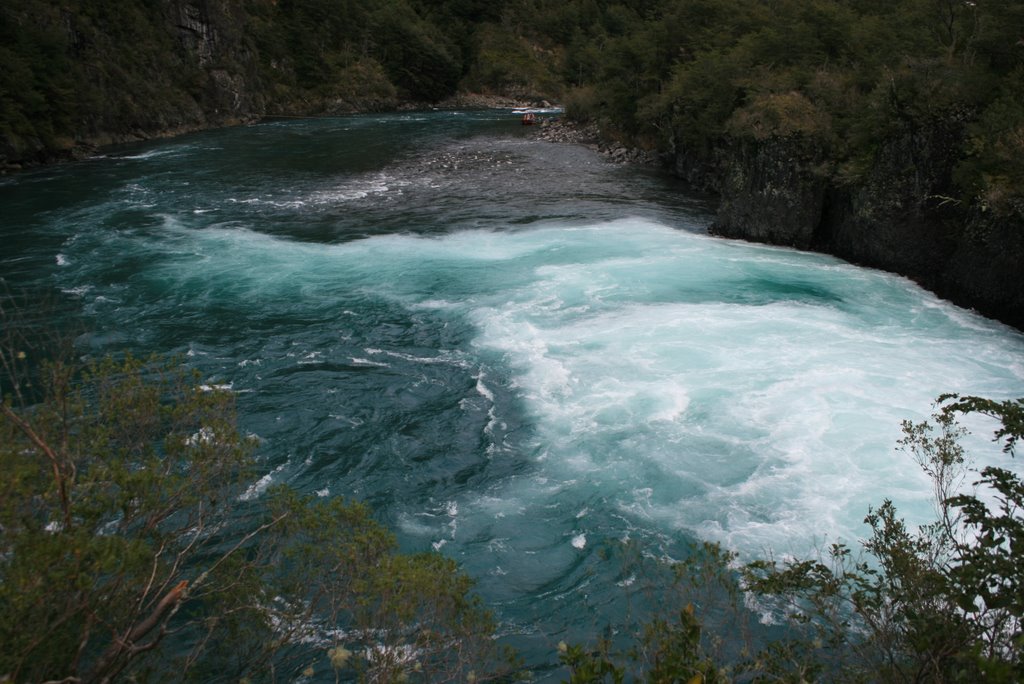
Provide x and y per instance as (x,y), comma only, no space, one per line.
(771,192)
(986,267)
(901,216)
(96,73)
(206,33)
(110,72)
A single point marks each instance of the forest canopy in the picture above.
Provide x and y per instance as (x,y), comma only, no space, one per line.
(843,74)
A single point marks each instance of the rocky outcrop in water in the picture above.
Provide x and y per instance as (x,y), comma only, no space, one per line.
(901,215)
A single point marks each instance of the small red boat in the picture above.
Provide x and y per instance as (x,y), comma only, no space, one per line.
(529,118)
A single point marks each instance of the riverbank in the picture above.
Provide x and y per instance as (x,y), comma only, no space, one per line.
(899,216)
(71,149)
(770,191)
(561,130)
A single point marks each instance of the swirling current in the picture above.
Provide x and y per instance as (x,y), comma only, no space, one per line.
(515,351)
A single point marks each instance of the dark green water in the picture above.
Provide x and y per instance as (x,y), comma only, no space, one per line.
(516,352)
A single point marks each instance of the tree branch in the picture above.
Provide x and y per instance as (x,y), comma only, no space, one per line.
(122,644)
(55,462)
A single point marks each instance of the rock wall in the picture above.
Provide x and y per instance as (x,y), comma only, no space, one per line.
(229,87)
(89,76)
(113,72)
(770,192)
(900,216)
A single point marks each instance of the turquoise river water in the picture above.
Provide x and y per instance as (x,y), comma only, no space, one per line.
(515,351)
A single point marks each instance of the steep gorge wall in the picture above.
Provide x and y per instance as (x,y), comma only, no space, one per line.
(105,73)
(101,72)
(900,216)
(229,82)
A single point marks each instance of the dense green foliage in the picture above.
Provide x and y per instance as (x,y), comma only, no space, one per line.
(132,546)
(845,74)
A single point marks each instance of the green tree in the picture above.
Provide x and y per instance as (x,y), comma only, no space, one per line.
(130,549)
(418,57)
(943,603)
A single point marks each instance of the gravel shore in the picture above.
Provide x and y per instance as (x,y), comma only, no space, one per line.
(565,131)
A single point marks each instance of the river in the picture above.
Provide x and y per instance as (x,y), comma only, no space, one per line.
(515,351)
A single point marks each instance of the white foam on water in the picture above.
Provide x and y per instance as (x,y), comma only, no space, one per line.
(748,394)
(79,291)
(160,152)
(377,186)
(256,489)
(356,361)
(443,358)
(217,387)
(358,188)
(765,424)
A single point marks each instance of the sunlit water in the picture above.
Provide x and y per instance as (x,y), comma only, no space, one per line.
(516,351)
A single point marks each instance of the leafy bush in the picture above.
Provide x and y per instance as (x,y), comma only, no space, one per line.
(506,62)
(780,115)
(131,547)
